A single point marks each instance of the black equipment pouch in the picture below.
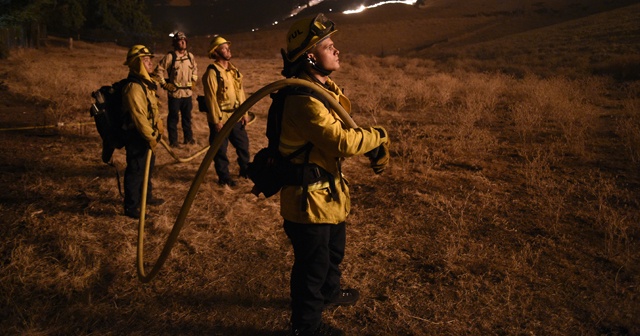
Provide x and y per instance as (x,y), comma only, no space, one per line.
(270,171)
(310,174)
(202,104)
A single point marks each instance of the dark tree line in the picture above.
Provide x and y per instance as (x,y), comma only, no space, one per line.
(73,18)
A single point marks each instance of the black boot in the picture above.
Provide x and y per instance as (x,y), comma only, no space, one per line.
(346,297)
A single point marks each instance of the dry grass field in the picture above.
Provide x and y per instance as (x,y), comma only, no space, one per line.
(511,205)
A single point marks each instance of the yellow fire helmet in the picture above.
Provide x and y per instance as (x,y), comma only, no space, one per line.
(136,51)
(215,43)
(305,33)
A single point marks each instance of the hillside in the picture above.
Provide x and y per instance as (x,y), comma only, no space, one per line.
(444,25)
(510,206)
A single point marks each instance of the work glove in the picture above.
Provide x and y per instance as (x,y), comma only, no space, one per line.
(245,119)
(170,87)
(379,156)
(154,142)
(160,126)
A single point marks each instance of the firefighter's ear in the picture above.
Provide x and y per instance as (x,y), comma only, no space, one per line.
(311,59)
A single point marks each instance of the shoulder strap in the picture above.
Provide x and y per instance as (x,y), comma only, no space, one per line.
(274,119)
(173,61)
(305,91)
(174,57)
(306,148)
(133,79)
(211,66)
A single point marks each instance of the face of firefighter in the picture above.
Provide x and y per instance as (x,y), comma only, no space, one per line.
(181,45)
(326,55)
(148,63)
(224,51)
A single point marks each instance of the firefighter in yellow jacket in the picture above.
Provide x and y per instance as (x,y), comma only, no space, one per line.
(223,91)
(315,211)
(140,102)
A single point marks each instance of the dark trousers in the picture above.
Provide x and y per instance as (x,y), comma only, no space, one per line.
(318,251)
(137,149)
(177,106)
(240,140)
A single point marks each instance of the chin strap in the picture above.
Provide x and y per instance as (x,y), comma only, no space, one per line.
(291,69)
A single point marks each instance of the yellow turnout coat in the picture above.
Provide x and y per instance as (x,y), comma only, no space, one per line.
(306,119)
(143,110)
(222,98)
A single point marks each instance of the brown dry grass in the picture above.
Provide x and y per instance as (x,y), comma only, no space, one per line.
(511,205)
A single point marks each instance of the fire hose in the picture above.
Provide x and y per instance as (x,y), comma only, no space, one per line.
(196,154)
(143,276)
(179,159)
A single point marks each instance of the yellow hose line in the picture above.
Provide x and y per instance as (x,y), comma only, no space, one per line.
(179,159)
(60,124)
(143,213)
(206,162)
(198,153)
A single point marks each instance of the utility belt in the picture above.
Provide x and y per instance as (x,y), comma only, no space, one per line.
(179,86)
(300,174)
(308,174)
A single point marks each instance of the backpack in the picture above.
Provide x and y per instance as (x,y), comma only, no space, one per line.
(270,171)
(109,116)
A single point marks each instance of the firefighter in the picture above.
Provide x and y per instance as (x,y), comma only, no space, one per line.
(177,72)
(223,92)
(140,102)
(315,211)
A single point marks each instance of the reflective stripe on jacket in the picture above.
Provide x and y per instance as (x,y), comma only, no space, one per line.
(222,98)
(181,75)
(306,119)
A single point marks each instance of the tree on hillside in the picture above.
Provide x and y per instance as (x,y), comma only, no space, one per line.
(68,17)
(125,17)
(20,12)
(62,16)
(121,16)
(22,24)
